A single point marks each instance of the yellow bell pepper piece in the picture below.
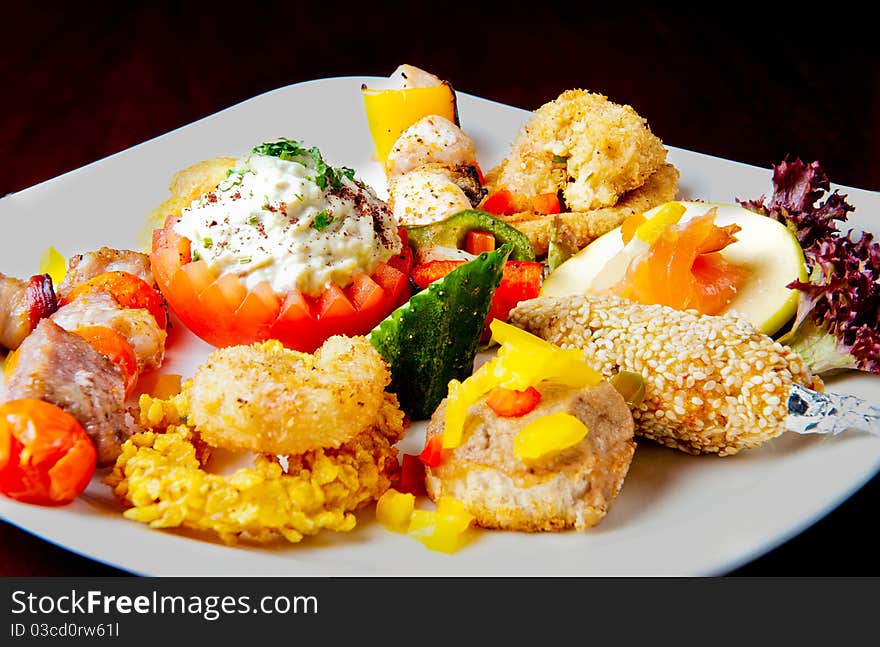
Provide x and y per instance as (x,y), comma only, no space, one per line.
(390,112)
(461,396)
(523,360)
(441,530)
(53,264)
(669,214)
(394,509)
(549,434)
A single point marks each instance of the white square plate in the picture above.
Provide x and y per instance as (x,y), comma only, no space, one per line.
(676,514)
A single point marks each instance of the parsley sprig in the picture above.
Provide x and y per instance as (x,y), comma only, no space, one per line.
(293,151)
(322,220)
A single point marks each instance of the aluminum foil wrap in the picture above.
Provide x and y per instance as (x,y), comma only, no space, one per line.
(814,412)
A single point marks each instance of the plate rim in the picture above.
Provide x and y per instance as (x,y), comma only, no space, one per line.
(745,556)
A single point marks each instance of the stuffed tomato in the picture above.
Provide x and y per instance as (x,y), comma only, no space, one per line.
(285,247)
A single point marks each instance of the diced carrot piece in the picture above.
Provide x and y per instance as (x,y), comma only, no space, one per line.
(545,203)
(477,242)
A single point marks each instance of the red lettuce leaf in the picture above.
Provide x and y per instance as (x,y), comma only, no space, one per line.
(838,319)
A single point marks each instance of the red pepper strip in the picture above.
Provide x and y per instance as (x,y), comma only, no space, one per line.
(412,476)
(432,454)
(510,403)
(500,203)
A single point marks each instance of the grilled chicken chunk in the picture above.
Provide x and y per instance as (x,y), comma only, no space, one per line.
(14,320)
(83,267)
(22,304)
(137,325)
(62,368)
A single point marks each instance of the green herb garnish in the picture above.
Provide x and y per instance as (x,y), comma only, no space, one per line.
(560,159)
(325,175)
(322,220)
(244,261)
(208,243)
(196,256)
(253,220)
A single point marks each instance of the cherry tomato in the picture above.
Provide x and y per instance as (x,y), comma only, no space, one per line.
(46,457)
(130,291)
(223,312)
(116,348)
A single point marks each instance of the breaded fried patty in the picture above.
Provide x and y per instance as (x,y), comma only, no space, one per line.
(591,149)
(270,399)
(586,226)
(571,488)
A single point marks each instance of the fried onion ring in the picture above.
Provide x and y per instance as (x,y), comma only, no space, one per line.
(272,400)
(161,481)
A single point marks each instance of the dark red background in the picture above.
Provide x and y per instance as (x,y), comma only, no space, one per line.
(746,84)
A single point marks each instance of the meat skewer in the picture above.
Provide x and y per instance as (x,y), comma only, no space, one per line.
(61,368)
(55,364)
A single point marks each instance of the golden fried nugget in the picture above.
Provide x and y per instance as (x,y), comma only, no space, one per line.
(586,226)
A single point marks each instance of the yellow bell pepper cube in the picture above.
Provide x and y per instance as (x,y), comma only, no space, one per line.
(525,360)
(390,112)
(394,509)
(547,435)
(53,264)
(441,530)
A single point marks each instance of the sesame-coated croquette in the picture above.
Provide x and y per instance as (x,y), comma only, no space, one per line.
(713,384)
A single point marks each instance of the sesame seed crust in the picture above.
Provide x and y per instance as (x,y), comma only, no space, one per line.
(713,384)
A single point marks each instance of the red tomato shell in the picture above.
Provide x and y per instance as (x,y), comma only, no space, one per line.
(223,312)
